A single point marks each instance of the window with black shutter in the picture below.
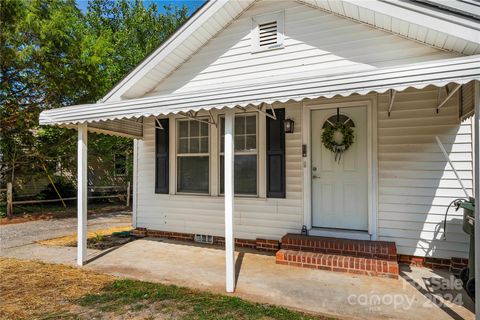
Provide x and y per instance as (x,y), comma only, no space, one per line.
(161,157)
(276,155)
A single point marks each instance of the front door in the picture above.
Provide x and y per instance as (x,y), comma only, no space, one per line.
(340,184)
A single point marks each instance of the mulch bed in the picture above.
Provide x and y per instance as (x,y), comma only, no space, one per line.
(110,241)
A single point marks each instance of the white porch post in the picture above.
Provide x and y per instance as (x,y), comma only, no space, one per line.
(476,170)
(82,194)
(229,195)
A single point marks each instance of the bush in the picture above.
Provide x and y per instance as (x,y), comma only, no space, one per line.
(66,188)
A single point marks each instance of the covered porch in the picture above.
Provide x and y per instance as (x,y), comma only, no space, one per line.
(258,278)
(130,118)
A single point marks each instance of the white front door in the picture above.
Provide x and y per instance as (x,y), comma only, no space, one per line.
(340,188)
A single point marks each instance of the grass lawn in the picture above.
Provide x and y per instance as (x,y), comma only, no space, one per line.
(34,290)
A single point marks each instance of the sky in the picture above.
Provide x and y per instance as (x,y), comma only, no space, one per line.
(192,5)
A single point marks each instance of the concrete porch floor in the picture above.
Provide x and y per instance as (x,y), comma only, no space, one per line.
(260,279)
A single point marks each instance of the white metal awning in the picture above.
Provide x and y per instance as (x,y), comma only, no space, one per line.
(438,73)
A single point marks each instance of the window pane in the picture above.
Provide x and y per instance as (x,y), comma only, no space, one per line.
(245,174)
(194,128)
(204,129)
(204,145)
(244,125)
(194,145)
(189,139)
(239,143)
(251,125)
(183,128)
(251,143)
(239,125)
(192,174)
(182,145)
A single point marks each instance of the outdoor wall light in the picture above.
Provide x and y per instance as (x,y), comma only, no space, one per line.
(289,125)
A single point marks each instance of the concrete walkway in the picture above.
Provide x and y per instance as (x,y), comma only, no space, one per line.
(261,280)
(19,240)
(415,296)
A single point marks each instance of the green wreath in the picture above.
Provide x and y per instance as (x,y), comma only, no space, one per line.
(329,142)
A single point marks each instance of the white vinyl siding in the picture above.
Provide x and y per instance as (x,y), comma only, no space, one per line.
(416,184)
(315,43)
(254,217)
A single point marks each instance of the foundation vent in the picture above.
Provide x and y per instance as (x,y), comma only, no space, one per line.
(204,238)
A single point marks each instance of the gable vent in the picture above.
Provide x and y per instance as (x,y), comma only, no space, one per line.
(267,33)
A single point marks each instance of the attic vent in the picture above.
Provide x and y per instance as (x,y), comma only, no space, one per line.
(267,33)
(204,238)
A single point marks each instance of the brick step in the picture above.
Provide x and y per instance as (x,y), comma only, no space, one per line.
(383,250)
(338,263)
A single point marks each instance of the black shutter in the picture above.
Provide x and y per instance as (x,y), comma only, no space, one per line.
(276,155)
(161,157)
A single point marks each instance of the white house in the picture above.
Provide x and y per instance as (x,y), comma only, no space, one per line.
(208,113)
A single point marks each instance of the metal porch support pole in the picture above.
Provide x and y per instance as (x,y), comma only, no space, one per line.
(82,194)
(229,199)
(134,182)
(476,169)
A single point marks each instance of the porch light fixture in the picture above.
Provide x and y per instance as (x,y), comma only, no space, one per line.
(289,125)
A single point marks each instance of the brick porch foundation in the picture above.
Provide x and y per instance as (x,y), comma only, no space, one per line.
(265,245)
(372,258)
(455,265)
(376,258)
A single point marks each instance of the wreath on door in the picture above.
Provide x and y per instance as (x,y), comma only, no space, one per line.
(329,141)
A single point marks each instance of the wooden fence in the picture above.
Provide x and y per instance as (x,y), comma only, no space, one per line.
(11,202)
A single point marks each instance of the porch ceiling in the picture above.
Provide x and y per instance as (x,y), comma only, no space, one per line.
(115,116)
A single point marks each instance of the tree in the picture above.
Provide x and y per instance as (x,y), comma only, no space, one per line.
(53,55)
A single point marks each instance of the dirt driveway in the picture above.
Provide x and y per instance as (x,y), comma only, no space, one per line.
(19,240)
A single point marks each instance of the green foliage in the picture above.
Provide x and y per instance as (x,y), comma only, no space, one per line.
(97,238)
(328,136)
(66,188)
(53,55)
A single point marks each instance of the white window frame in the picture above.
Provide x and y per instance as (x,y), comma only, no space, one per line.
(177,155)
(257,152)
(279,17)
